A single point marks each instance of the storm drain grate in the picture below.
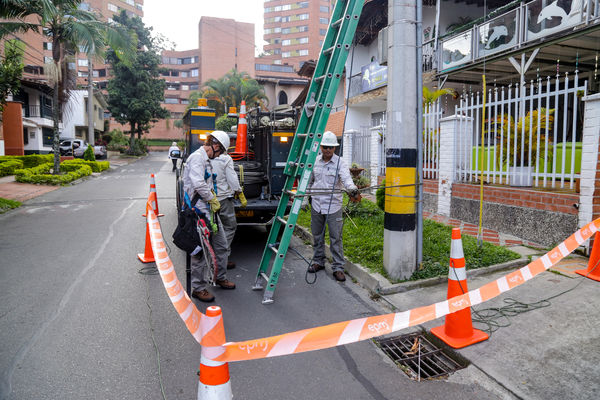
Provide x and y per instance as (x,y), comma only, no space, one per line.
(418,357)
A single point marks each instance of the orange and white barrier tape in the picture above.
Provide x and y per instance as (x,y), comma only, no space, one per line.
(355,330)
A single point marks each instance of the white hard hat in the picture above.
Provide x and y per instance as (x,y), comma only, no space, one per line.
(174,144)
(222,138)
(329,139)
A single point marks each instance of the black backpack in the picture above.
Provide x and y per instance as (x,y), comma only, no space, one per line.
(186,235)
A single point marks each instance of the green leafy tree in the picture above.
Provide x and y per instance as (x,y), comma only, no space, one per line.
(68,28)
(88,154)
(136,91)
(11,70)
(430,96)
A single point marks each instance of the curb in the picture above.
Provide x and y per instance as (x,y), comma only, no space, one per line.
(377,283)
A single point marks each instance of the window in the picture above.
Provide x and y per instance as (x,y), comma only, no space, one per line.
(276,51)
(95,73)
(48,60)
(194,72)
(82,74)
(171,100)
(139,6)
(303,52)
(185,101)
(286,54)
(324,21)
(282,98)
(81,48)
(25,137)
(130,2)
(47,45)
(302,40)
(322,32)
(274,68)
(286,42)
(185,87)
(324,9)
(279,62)
(47,136)
(82,62)
(302,16)
(84,7)
(100,113)
(112,7)
(70,65)
(194,86)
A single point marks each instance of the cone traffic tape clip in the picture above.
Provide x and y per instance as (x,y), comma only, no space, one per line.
(458,331)
(152,197)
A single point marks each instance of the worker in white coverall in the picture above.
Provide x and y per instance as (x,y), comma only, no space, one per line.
(330,173)
(199,184)
(174,155)
(228,187)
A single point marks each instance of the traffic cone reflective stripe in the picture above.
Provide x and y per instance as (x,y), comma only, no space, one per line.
(457,330)
(148,255)
(214,382)
(153,198)
(593,269)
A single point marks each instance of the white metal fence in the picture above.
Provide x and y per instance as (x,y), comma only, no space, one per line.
(361,147)
(531,134)
(431,139)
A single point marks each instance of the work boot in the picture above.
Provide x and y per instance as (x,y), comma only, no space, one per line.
(225,284)
(315,267)
(339,276)
(203,295)
(230,265)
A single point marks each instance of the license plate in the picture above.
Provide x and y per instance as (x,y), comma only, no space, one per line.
(244,213)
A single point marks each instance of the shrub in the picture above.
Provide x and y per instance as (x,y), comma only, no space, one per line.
(88,154)
(30,160)
(96,166)
(224,123)
(361,181)
(8,167)
(6,204)
(380,196)
(41,175)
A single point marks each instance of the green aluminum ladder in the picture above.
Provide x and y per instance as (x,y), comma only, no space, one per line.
(305,147)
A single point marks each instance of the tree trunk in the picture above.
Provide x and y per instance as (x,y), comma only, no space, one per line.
(132,138)
(55,132)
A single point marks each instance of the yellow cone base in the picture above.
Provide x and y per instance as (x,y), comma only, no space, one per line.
(584,272)
(459,343)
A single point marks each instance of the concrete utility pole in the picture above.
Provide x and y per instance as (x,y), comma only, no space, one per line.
(90,104)
(400,221)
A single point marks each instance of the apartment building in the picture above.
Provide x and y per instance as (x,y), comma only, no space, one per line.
(294,30)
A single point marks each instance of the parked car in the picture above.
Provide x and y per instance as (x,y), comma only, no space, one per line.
(76,148)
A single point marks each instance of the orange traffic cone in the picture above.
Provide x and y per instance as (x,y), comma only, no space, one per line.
(241,142)
(214,383)
(148,255)
(153,198)
(458,330)
(593,269)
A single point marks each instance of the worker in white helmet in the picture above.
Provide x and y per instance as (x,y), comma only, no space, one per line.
(330,173)
(174,155)
(199,184)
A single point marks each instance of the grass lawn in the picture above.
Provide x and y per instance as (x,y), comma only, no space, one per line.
(6,204)
(363,244)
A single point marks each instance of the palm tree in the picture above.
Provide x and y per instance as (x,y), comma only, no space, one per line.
(431,96)
(69,29)
(232,88)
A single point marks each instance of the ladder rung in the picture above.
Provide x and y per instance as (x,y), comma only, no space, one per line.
(319,78)
(302,135)
(283,221)
(264,276)
(273,248)
(338,22)
(329,50)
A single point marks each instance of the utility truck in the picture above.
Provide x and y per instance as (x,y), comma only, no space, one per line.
(259,155)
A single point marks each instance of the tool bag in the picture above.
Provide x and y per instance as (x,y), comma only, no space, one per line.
(186,235)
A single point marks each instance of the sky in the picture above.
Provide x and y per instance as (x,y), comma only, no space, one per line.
(178,19)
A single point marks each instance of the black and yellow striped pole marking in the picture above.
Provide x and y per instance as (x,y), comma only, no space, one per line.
(401,190)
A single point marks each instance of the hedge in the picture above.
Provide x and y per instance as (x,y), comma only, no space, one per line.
(41,175)
(30,160)
(96,166)
(8,167)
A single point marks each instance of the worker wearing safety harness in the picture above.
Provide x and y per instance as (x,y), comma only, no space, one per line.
(200,185)
(228,186)
(330,174)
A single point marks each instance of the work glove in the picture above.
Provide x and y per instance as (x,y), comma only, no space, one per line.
(214,203)
(242,199)
(355,196)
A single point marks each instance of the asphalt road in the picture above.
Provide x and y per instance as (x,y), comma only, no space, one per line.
(78,320)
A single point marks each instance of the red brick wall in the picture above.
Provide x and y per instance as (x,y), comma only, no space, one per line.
(556,202)
(430,186)
(335,123)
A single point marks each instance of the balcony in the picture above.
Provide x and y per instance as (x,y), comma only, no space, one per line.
(525,25)
(37,112)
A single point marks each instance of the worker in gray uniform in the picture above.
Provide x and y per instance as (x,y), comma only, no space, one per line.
(228,187)
(330,174)
(199,185)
